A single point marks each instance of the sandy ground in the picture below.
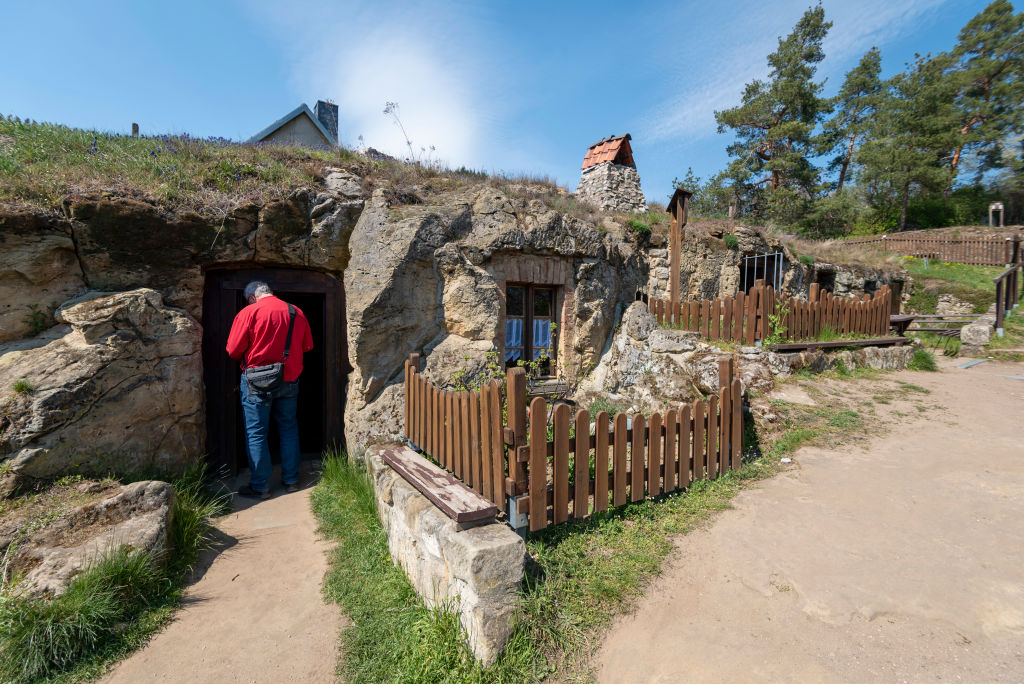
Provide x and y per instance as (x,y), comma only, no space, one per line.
(255,613)
(898,559)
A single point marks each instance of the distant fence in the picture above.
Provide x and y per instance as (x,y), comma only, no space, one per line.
(570,466)
(746,318)
(975,251)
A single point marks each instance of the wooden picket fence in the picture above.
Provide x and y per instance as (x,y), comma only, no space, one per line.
(744,318)
(493,444)
(590,465)
(981,251)
(462,431)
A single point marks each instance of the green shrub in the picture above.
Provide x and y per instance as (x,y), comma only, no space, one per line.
(22,387)
(806,259)
(923,360)
(603,404)
(638,227)
(37,320)
(730,241)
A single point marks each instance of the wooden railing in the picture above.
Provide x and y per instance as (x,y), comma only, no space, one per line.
(745,318)
(587,466)
(995,251)
(1008,284)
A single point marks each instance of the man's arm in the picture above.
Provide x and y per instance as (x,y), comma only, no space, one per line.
(238,338)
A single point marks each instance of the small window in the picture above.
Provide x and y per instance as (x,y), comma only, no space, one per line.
(529,326)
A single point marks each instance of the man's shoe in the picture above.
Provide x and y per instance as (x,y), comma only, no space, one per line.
(250,493)
(292,488)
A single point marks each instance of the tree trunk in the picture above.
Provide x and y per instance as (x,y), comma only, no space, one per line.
(903,205)
(846,164)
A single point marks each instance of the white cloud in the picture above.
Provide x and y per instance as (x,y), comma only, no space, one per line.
(437,103)
(422,57)
(721,67)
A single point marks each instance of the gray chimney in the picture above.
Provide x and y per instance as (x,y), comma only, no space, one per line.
(327,114)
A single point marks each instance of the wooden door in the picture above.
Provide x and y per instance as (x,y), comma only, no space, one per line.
(322,385)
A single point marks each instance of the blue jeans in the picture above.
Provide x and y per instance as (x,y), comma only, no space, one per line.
(257,409)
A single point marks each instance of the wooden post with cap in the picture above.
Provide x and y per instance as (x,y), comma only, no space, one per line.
(677,207)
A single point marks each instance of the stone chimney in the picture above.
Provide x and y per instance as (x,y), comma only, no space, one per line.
(327,114)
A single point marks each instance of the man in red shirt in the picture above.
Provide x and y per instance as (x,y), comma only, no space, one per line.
(257,338)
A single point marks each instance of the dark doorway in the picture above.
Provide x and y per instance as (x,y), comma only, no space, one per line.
(766,267)
(322,385)
(826,280)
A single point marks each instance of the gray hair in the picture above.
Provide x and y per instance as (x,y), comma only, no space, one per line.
(256,288)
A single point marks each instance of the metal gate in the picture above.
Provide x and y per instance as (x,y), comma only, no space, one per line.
(767,267)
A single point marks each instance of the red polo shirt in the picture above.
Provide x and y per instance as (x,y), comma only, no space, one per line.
(259,332)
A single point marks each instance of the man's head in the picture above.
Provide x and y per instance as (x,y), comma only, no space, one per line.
(255,290)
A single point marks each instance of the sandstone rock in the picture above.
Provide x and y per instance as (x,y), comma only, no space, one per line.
(470,300)
(429,278)
(344,183)
(950,305)
(673,341)
(118,389)
(478,571)
(38,269)
(976,334)
(138,518)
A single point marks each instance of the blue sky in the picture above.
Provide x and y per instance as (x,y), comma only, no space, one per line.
(513,87)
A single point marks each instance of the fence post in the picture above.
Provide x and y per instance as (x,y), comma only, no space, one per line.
(515,396)
(999,307)
(412,367)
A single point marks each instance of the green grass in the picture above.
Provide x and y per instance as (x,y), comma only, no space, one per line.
(731,241)
(580,576)
(923,360)
(41,164)
(22,387)
(970,283)
(111,608)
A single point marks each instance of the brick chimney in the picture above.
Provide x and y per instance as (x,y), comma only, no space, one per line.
(327,114)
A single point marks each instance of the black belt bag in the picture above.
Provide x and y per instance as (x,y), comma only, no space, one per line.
(266,379)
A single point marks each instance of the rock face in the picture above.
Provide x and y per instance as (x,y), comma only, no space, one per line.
(125,244)
(477,571)
(612,187)
(137,518)
(648,369)
(431,279)
(38,271)
(116,389)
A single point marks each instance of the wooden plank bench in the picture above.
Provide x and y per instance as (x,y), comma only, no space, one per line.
(873,342)
(456,500)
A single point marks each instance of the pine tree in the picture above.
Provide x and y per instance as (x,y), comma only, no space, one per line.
(852,108)
(902,154)
(986,73)
(775,123)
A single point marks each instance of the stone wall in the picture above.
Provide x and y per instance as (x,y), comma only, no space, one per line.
(475,571)
(612,187)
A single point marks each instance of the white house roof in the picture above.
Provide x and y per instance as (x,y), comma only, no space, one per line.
(298,111)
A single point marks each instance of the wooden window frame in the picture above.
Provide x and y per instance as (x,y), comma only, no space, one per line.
(528,318)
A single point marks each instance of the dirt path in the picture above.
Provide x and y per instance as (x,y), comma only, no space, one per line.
(256,614)
(897,559)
